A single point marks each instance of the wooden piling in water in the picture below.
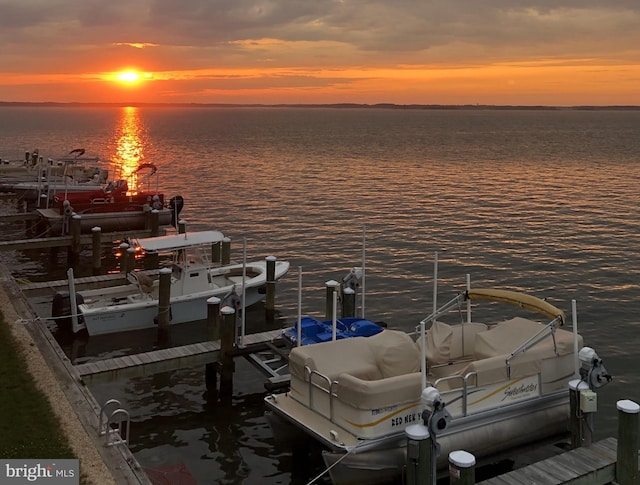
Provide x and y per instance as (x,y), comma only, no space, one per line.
(154,218)
(627,453)
(182,226)
(227,337)
(462,468)
(124,261)
(96,249)
(76,247)
(164,303)
(331,288)
(226,251)
(216,249)
(348,303)
(270,299)
(213,330)
(419,469)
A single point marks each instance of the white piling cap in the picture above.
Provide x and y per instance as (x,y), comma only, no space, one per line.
(165,271)
(462,459)
(628,406)
(227,310)
(270,258)
(349,291)
(131,250)
(332,283)
(578,385)
(96,229)
(417,432)
(214,300)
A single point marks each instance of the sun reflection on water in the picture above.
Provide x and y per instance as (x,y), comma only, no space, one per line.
(129,141)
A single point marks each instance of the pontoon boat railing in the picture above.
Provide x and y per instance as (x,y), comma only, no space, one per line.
(465,386)
(536,339)
(312,385)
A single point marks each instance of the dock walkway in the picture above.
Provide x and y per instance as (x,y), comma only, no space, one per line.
(163,360)
(593,465)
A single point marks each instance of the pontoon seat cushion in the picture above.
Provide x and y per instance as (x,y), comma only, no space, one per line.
(395,353)
(392,391)
(438,340)
(507,336)
(351,355)
(445,342)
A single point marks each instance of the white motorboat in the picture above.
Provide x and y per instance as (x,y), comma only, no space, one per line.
(504,385)
(194,279)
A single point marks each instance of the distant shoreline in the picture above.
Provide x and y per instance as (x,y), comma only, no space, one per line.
(24,104)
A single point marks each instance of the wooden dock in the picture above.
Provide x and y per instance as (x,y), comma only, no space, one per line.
(163,360)
(592,465)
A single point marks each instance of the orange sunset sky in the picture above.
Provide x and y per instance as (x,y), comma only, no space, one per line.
(516,52)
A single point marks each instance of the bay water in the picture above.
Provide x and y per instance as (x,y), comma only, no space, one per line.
(540,201)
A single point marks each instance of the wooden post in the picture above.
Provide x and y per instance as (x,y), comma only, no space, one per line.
(216,252)
(75,248)
(182,226)
(627,454)
(348,302)
(213,329)
(270,300)
(155,222)
(227,337)
(226,250)
(96,249)
(578,425)
(124,261)
(418,464)
(131,259)
(164,304)
(462,468)
(331,288)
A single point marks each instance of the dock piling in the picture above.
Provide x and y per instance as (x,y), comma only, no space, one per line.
(270,300)
(627,454)
(213,329)
(76,247)
(462,469)
(331,288)
(348,302)
(419,456)
(226,251)
(154,217)
(96,249)
(227,337)
(164,303)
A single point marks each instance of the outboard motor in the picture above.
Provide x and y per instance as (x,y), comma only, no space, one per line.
(352,279)
(175,205)
(61,309)
(592,369)
(232,300)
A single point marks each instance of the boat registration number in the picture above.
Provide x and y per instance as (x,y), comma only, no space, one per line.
(404,420)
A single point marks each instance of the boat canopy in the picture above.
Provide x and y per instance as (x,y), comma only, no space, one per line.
(515,298)
(521,300)
(179,241)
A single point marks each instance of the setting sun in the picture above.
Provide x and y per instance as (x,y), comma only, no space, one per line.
(128,76)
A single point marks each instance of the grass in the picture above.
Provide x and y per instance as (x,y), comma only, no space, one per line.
(29,429)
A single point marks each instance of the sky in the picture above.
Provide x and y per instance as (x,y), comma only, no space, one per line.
(453,52)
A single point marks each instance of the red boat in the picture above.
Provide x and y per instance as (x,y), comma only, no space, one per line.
(113,197)
(113,207)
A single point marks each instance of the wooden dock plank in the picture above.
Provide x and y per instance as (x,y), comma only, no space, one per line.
(593,465)
(162,360)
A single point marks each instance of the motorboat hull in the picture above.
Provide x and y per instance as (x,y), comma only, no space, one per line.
(107,221)
(140,312)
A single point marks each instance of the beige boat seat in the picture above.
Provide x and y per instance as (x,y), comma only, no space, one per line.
(389,353)
(449,343)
